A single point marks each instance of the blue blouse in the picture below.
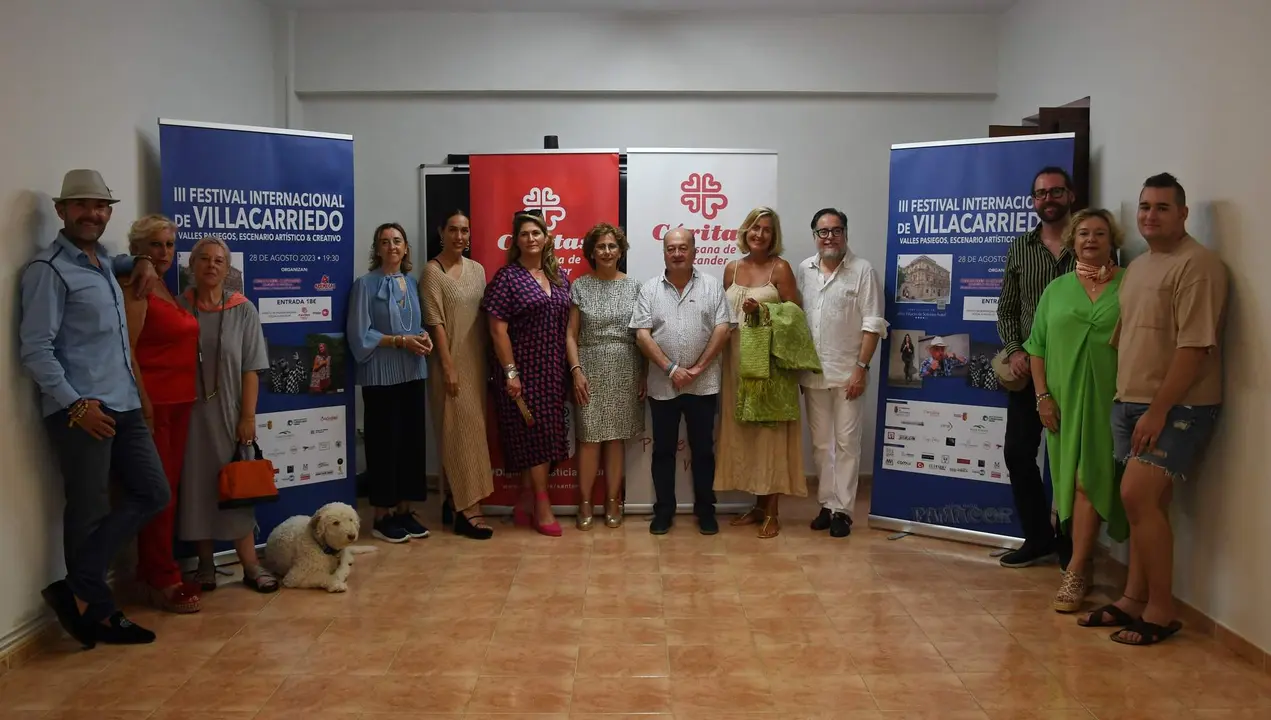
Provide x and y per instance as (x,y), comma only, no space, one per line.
(378,307)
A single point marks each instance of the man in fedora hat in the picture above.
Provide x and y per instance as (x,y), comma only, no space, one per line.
(74,344)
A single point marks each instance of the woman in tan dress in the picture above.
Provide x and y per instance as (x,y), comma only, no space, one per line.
(452,288)
(766,459)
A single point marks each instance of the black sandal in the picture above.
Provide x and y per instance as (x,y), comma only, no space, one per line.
(465,526)
(1095,619)
(1149,632)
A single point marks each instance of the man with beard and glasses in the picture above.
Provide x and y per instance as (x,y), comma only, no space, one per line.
(74,344)
(1034,259)
(843,301)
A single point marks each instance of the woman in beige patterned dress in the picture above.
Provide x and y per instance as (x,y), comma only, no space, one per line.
(763,459)
(606,368)
(452,288)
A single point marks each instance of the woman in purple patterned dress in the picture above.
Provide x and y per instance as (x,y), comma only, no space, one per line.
(527,301)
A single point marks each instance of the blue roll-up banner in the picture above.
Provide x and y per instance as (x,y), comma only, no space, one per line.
(283,202)
(955,208)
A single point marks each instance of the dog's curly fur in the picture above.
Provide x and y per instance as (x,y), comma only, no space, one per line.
(295,552)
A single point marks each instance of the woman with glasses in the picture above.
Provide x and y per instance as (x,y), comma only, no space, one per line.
(607,370)
(231,351)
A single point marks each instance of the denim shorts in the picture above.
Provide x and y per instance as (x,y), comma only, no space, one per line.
(1183,438)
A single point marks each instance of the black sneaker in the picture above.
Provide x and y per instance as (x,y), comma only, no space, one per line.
(707,524)
(409,522)
(822,520)
(661,525)
(1027,556)
(388,529)
(119,630)
(62,600)
(840,525)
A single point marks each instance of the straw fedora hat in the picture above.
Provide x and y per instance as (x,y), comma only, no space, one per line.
(84,185)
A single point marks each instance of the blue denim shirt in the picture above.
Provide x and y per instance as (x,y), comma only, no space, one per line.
(74,333)
(378,307)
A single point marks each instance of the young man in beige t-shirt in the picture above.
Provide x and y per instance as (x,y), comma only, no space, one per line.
(1169,390)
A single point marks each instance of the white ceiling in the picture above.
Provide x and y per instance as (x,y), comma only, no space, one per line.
(783,6)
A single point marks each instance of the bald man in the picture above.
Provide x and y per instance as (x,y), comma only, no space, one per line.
(682,321)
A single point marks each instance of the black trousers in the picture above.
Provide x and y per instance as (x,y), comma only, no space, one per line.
(698,412)
(92,529)
(1023,440)
(393,424)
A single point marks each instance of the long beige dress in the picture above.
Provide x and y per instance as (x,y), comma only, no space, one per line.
(460,421)
(759,459)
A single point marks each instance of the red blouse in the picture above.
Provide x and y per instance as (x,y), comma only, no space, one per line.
(167,352)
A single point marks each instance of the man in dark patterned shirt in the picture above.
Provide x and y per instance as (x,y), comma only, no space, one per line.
(1034,259)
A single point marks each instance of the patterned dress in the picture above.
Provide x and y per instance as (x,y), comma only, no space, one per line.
(537,323)
(610,358)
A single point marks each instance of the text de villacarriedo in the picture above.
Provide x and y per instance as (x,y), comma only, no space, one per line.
(990,219)
(273,210)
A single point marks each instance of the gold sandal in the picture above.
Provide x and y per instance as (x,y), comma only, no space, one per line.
(586,515)
(613,512)
(771,526)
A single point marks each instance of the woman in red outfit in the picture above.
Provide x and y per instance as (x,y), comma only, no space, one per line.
(164,339)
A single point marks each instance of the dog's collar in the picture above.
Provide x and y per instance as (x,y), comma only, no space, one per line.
(326,549)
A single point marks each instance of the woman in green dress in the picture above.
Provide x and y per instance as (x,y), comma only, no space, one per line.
(1075,372)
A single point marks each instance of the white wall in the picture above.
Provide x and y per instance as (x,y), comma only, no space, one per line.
(1180,86)
(82,83)
(387,80)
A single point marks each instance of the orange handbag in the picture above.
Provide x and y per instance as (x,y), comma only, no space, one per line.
(248,479)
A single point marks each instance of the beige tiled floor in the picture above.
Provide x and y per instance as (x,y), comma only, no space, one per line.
(619,624)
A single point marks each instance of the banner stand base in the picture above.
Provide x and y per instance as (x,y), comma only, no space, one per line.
(628,509)
(945,533)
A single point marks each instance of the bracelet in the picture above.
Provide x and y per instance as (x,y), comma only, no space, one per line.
(397,341)
(76,411)
(671,370)
(1041,397)
(577,367)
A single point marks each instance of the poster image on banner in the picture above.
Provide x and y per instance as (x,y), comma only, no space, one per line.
(282,200)
(955,208)
(710,192)
(572,190)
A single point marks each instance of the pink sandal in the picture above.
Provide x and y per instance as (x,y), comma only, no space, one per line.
(552,530)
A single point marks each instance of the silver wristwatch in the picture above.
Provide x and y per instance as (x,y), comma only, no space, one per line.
(510,372)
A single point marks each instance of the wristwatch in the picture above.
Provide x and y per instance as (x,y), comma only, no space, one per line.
(861,365)
(510,372)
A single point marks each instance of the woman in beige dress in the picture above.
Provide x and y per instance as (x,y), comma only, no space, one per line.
(453,286)
(764,459)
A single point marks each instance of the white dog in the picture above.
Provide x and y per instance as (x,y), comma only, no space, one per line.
(316,552)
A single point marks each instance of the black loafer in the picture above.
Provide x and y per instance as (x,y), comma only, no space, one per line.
(660,525)
(119,630)
(707,525)
(59,597)
(840,525)
(822,520)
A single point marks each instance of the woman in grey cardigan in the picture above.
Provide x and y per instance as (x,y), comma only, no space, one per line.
(231,351)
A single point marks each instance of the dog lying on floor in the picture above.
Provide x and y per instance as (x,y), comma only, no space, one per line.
(317,551)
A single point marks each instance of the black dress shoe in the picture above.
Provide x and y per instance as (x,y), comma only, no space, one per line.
(119,630)
(62,600)
(1027,556)
(840,525)
(822,520)
(661,525)
(707,524)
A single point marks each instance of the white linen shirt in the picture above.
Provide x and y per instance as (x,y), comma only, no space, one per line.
(839,307)
(681,325)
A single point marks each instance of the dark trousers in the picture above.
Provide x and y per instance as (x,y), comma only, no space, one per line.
(698,412)
(1023,440)
(93,530)
(393,424)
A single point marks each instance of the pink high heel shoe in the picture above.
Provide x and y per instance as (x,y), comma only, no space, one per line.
(552,530)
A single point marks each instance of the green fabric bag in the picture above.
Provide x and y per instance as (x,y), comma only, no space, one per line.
(775,397)
(755,360)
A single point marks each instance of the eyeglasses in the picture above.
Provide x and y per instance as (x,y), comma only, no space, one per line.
(1054,193)
(824,233)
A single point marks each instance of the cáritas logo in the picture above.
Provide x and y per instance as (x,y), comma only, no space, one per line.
(548,202)
(703,195)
